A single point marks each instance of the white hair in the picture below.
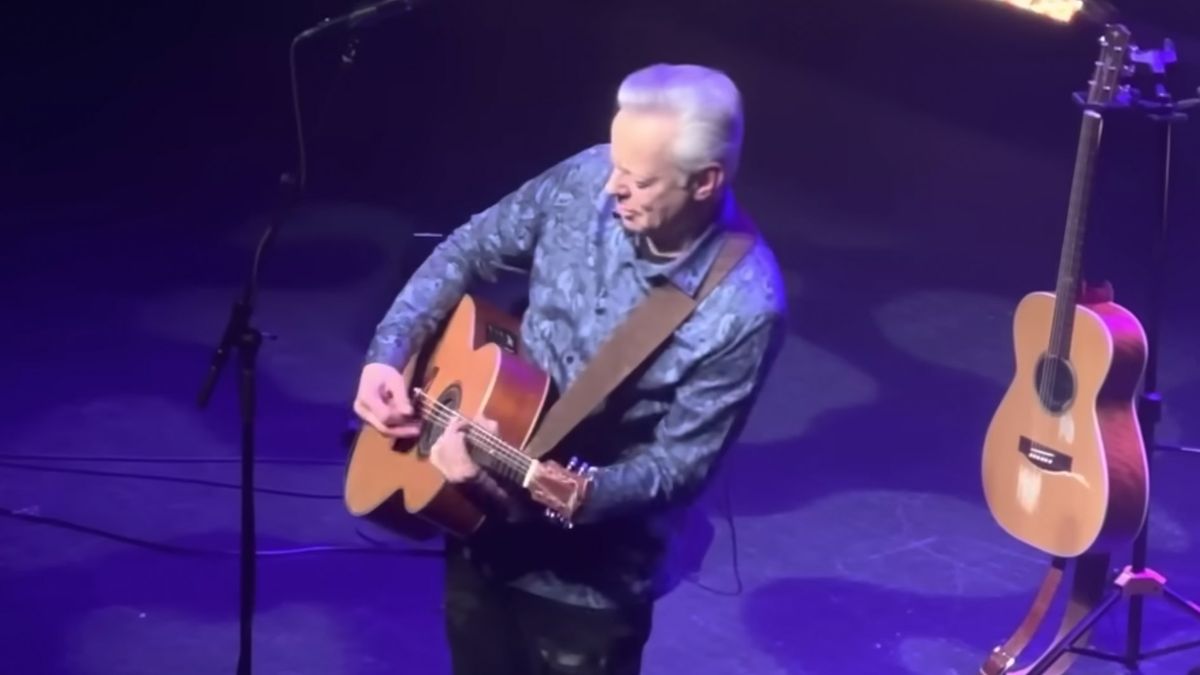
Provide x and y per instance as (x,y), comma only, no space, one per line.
(709,106)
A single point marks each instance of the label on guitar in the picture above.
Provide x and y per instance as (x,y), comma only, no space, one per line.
(1043,457)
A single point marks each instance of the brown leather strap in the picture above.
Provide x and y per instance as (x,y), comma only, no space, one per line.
(1002,658)
(646,327)
(1088,581)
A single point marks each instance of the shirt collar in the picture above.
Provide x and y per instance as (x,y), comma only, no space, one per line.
(687,271)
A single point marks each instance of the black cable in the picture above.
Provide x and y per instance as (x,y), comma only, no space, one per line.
(737,572)
(169,479)
(727,501)
(161,547)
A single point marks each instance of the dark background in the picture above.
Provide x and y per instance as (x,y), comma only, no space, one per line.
(187,104)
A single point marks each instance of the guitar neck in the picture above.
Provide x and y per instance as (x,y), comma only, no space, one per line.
(493,454)
(1070,262)
(488,450)
(560,489)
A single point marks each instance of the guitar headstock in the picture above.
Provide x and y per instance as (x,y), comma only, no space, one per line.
(1111,66)
(562,490)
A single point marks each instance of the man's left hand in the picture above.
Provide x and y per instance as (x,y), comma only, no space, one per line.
(449,452)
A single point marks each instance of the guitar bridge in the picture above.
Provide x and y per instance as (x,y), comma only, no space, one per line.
(1044,457)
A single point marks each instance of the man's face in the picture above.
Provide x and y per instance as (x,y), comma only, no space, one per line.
(650,190)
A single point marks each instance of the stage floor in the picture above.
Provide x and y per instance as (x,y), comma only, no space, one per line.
(863,544)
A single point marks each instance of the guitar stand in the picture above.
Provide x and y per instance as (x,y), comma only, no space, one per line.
(1129,584)
(1136,581)
(1088,580)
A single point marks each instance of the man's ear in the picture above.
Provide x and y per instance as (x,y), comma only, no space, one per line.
(707,182)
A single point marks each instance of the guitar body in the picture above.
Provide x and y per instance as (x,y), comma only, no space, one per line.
(1070,477)
(473,368)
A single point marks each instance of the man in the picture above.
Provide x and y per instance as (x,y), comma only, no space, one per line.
(596,232)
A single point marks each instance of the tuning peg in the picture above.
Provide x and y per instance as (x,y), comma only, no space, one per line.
(559,518)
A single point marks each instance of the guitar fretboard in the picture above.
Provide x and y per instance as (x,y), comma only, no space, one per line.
(1069,267)
(488,450)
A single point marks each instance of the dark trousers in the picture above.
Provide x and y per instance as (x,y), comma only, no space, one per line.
(497,630)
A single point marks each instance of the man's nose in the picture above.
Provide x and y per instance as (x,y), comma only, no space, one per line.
(614,187)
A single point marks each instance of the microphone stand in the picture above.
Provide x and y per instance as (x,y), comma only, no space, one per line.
(242,336)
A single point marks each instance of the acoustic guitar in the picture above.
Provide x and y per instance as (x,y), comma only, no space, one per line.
(472,368)
(1064,463)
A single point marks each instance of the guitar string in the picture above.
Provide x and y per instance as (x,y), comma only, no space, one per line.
(492,444)
(505,465)
(518,462)
(510,466)
(1046,383)
(1050,380)
(1064,309)
(1048,372)
(444,413)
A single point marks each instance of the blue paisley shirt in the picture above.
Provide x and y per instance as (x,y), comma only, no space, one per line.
(657,438)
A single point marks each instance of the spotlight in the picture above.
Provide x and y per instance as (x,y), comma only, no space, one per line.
(1059,10)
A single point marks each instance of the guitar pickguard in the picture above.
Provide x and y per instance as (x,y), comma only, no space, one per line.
(1066,429)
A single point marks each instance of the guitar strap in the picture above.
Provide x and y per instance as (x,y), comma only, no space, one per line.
(649,325)
(1088,582)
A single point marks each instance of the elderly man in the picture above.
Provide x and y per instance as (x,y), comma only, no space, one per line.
(596,232)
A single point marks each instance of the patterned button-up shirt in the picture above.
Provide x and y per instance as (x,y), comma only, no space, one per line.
(658,437)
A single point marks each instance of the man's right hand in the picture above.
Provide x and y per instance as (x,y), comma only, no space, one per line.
(383,402)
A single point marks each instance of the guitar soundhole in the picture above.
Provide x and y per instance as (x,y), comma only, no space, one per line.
(436,417)
(1055,382)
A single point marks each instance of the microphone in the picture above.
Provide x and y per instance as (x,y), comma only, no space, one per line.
(363,17)
(366,16)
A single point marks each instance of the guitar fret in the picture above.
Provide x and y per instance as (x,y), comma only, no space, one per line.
(1067,288)
(498,455)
